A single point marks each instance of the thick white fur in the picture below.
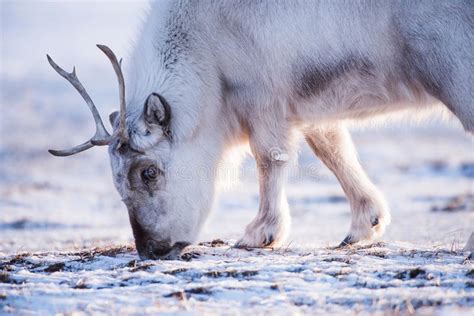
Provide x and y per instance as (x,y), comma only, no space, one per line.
(229,71)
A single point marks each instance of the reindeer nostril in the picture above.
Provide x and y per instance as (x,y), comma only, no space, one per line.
(158,249)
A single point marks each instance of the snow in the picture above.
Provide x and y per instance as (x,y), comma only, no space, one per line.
(65,241)
(374,278)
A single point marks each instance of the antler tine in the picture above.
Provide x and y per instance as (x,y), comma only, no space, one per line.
(122,130)
(72,151)
(101,136)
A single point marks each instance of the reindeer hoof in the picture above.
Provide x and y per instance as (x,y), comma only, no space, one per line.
(268,241)
(346,242)
(238,245)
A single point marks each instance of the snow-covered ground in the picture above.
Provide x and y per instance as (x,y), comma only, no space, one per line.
(65,241)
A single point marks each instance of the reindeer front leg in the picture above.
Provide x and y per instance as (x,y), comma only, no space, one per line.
(273,152)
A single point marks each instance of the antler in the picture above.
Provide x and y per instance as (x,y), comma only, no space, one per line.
(122,129)
(101,136)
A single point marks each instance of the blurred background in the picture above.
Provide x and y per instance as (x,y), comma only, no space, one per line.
(47,203)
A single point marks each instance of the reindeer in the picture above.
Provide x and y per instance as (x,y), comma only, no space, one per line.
(207,76)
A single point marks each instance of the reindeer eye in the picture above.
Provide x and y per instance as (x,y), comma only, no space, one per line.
(150,173)
(147,132)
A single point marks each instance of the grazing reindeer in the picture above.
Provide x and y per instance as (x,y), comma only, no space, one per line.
(208,75)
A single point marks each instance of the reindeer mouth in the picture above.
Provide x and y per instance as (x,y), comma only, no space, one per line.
(159,251)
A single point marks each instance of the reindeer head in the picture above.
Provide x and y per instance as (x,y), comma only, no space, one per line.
(163,217)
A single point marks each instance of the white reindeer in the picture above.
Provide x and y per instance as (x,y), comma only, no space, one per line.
(206,76)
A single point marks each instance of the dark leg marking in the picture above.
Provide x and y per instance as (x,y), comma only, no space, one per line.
(374,221)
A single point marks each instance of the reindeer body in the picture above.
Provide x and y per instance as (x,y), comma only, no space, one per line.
(257,71)
(308,60)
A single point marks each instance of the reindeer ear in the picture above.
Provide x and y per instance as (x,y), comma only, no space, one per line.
(157,111)
(113,117)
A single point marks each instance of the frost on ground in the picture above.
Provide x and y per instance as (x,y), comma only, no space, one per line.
(377,278)
(64,233)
